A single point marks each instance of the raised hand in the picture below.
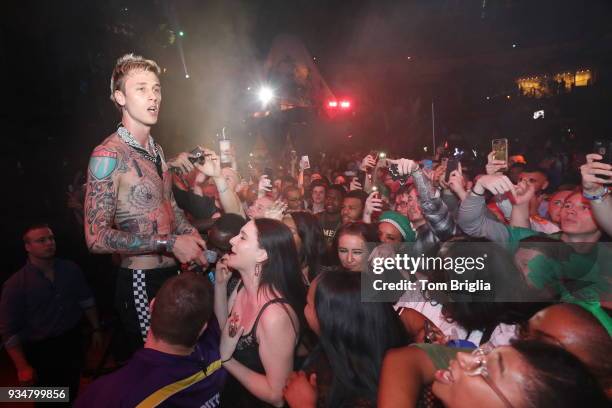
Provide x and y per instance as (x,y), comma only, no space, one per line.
(494,166)
(211,166)
(404,166)
(264,186)
(456,182)
(276,211)
(593,173)
(523,193)
(439,173)
(495,183)
(222,271)
(373,203)
(355,185)
(368,162)
(181,162)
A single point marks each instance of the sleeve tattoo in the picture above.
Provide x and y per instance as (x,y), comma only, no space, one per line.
(105,166)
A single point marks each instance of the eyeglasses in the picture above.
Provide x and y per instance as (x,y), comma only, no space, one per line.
(481,370)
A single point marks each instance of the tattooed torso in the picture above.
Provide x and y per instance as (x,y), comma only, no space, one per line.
(128,205)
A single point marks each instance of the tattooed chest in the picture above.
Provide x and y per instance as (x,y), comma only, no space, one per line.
(143,195)
(143,203)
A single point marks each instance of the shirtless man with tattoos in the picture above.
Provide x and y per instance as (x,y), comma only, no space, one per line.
(129,206)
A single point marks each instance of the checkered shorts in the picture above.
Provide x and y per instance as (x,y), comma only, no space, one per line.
(141,301)
(134,290)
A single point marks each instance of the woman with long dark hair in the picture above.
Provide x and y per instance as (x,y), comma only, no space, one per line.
(263,315)
(309,240)
(353,339)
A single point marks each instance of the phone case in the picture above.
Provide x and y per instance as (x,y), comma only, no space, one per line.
(500,147)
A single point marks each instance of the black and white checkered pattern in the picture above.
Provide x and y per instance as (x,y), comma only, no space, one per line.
(141,301)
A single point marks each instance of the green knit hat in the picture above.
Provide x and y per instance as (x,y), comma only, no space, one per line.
(400,222)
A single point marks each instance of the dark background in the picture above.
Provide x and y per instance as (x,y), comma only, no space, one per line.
(392,57)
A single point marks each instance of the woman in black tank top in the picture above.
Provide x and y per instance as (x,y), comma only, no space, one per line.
(264,314)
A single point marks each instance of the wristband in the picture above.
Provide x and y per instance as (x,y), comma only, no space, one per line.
(599,196)
(225,361)
(477,194)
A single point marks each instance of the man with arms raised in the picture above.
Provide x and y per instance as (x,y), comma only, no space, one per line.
(129,206)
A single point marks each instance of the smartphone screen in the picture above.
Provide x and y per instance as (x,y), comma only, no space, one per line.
(604,149)
(500,147)
(451,165)
(361,175)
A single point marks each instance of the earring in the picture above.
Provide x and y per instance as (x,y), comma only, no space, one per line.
(257,269)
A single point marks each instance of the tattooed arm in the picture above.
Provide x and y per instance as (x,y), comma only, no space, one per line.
(105,168)
(183,226)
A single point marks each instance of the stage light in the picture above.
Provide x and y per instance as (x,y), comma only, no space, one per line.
(332,104)
(345,104)
(181,33)
(265,95)
(186,76)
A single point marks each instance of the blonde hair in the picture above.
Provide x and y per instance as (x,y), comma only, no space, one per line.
(124,65)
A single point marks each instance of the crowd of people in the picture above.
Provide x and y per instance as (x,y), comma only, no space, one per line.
(247,288)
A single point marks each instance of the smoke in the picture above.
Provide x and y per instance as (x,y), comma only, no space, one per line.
(220,58)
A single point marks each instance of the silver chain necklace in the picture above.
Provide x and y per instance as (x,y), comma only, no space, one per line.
(127,137)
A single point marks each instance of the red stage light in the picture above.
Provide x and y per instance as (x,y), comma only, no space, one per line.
(345,104)
(332,104)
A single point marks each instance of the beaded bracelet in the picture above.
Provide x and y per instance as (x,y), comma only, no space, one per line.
(598,196)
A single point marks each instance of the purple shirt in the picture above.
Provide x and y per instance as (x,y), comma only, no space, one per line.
(150,370)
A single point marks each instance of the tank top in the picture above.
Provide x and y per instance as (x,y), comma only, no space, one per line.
(235,394)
